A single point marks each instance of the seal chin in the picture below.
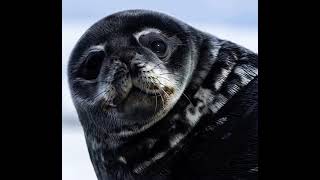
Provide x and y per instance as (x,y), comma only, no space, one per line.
(139,99)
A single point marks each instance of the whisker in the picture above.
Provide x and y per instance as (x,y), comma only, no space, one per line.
(155,109)
(182,93)
(187,98)
(104,91)
(164,78)
(158,64)
(154,113)
(162,89)
(159,94)
(140,88)
(162,100)
(148,84)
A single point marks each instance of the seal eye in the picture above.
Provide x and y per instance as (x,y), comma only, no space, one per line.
(158,47)
(92,65)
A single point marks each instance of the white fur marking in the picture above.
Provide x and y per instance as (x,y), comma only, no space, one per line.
(233,90)
(254,169)
(176,139)
(94,144)
(204,94)
(221,78)
(97,47)
(246,73)
(215,51)
(193,118)
(122,159)
(145,164)
(221,100)
(146,31)
(221,121)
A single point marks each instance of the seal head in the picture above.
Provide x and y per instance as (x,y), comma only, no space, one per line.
(127,71)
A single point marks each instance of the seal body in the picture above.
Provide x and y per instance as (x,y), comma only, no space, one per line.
(159,99)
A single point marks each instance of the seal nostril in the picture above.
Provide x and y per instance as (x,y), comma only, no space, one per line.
(135,68)
(127,56)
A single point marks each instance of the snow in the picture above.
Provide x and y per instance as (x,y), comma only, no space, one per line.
(76,164)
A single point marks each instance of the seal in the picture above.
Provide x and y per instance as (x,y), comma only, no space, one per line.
(159,99)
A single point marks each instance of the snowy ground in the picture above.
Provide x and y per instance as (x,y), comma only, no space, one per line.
(75,158)
(76,164)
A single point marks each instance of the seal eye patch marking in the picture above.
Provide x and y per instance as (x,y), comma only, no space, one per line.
(154,40)
(122,160)
(146,31)
(157,43)
(90,67)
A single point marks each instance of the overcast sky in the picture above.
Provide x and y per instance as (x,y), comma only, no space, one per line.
(241,12)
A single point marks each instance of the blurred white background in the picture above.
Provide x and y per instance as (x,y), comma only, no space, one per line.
(228,19)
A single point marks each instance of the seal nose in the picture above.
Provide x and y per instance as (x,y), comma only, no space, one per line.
(128,57)
(125,56)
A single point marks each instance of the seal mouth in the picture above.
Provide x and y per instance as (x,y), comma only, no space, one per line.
(140,90)
(134,91)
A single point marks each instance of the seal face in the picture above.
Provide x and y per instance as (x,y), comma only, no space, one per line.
(127,72)
(156,96)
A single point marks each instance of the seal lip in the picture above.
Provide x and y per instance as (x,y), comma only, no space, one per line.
(137,89)
(133,92)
